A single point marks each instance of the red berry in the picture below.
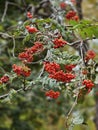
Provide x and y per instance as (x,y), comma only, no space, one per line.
(90,55)
(27,57)
(71,15)
(63,5)
(88,83)
(69,67)
(76,18)
(4,79)
(27,27)
(59,42)
(32,30)
(52,94)
(51,67)
(29,15)
(21,70)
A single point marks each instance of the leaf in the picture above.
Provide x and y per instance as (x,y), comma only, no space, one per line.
(6,100)
(77,118)
(12,93)
(26,23)
(95,31)
(27,38)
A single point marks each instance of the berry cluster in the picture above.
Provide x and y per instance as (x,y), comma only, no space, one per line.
(56,73)
(69,67)
(4,79)
(52,94)
(21,70)
(27,56)
(31,29)
(29,15)
(90,55)
(59,42)
(63,5)
(51,67)
(71,15)
(88,84)
(38,47)
(61,76)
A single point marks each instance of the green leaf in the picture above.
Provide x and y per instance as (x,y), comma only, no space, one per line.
(27,38)
(77,118)
(12,93)
(95,31)
(6,100)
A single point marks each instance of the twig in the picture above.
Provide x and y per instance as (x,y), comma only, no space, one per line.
(6,8)
(24,84)
(81,52)
(79,41)
(13,46)
(5,11)
(5,95)
(36,62)
(5,34)
(42,70)
(74,104)
(79,8)
(70,111)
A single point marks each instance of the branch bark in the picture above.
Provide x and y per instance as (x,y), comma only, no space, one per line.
(79,8)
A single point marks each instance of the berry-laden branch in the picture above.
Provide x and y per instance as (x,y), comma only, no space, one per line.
(59,72)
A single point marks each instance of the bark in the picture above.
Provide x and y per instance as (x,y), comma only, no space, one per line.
(79,8)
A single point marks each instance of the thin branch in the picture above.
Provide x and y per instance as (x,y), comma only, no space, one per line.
(70,111)
(81,52)
(79,8)
(13,46)
(5,11)
(6,8)
(36,62)
(5,35)
(5,95)
(74,104)
(21,89)
(42,70)
(24,84)
(79,41)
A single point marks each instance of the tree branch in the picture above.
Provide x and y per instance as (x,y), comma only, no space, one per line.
(7,94)
(6,8)
(79,8)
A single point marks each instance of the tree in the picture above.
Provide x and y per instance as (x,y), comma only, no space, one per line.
(37,51)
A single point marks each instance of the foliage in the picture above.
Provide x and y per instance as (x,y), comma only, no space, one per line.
(34,60)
